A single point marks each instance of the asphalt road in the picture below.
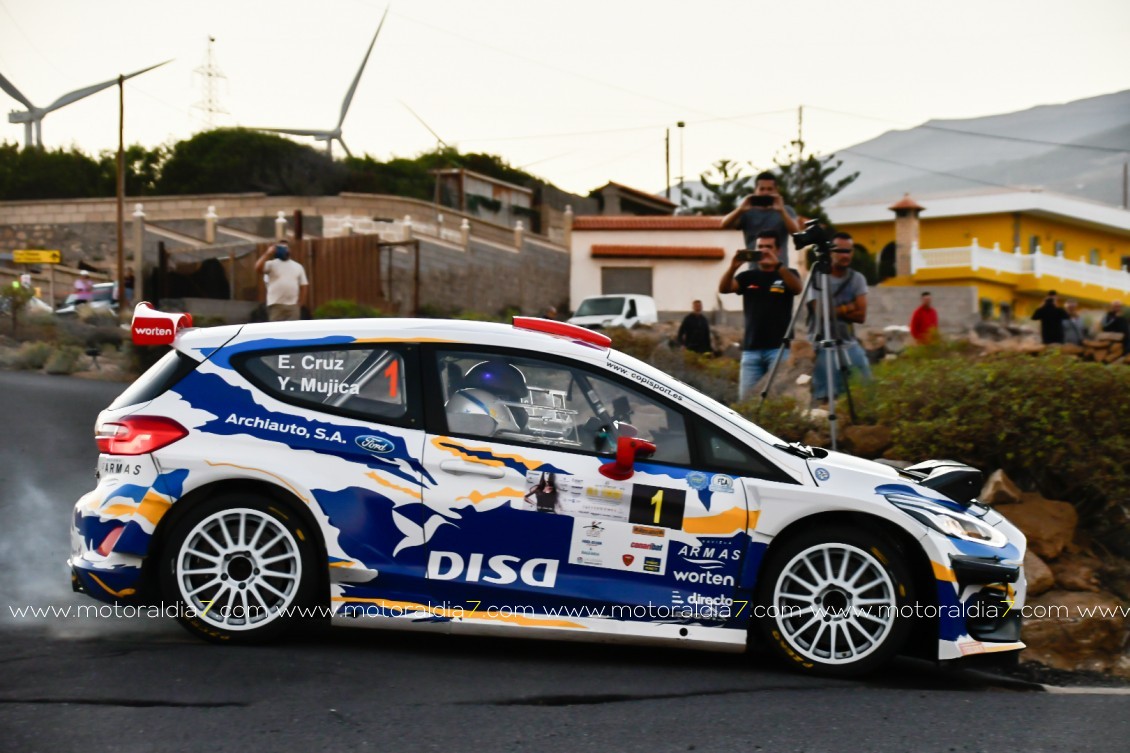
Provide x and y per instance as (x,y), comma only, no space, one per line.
(144,685)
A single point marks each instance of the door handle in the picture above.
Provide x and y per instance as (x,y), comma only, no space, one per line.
(459,467)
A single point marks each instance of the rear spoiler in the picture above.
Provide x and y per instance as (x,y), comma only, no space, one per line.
(153,327)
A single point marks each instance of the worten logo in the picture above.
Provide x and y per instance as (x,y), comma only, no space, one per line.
(379,445)
(501,569)
(154,330)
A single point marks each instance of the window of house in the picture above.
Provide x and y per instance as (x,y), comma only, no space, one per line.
(1059,248)
(986,308)
(620,280)
(1033,244)
(1096,258)
(1006,312)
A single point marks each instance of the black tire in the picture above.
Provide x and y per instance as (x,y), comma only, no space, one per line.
(238,567)
(837,602)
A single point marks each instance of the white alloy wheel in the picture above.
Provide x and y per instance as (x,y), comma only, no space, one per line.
(239,569)
(835,603)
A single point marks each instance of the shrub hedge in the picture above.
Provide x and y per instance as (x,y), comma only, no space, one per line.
(1055,423)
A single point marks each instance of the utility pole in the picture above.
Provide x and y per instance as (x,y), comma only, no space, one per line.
(122,311)
(667,160)
(682,187)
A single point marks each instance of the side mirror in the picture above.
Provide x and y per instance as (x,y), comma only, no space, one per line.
(628,449)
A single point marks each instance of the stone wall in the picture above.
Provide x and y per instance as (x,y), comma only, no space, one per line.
(497,268)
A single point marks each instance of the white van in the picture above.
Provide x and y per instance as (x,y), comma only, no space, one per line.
(627,310)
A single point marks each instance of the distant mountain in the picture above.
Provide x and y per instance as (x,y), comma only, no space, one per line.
(1015,150)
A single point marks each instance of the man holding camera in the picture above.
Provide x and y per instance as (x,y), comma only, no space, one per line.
(847,297)
(764,209)
(286,283)
(767,289)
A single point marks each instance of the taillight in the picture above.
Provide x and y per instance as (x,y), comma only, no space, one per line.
(137,435)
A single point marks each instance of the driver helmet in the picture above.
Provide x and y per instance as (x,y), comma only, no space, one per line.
(499,377)
(478,402)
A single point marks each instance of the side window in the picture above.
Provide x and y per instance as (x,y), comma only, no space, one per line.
(529,400)
(368,382)
(722,452)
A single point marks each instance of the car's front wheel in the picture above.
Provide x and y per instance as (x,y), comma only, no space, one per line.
(836,601)
(238,568)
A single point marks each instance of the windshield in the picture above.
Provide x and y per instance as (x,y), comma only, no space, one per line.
(610,306)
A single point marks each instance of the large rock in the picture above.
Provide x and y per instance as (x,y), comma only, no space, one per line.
(1077,572)
(1068,630)
(999,489)
(868,441)
(1038,574)
(1048,524)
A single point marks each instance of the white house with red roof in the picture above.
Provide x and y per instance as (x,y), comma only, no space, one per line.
(673,259)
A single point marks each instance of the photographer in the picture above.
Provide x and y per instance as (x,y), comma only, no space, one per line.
(767,289)
(848,297)
(1051,317)
(762,210)
(286,283)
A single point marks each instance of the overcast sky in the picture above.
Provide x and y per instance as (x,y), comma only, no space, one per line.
(578,92)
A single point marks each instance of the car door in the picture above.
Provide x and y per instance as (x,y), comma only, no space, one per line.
(352,415)
(533,528)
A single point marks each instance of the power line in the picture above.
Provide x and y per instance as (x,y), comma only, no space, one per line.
(858,153)
(627,129)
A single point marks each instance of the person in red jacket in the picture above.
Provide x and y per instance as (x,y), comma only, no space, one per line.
(924,321)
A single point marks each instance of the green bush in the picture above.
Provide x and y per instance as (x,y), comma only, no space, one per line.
(1054,423)
(780,416)
(64,360)
(341,308)
(32,355)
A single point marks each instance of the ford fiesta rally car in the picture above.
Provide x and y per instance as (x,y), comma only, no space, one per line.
(519,480)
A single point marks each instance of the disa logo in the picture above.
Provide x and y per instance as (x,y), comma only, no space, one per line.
(378,445)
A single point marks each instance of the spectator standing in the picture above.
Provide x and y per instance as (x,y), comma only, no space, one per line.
(286,283)
(128,285)
(84,288)
(1051,317)
(762,210)
(767,289)
(694,332)
(1114,321)
(847,296)
(550,313)
(924,321)
(1074,328)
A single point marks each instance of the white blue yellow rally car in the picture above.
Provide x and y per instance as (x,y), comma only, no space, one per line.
(520,480)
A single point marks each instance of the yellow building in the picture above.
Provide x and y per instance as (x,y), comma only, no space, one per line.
(1011,247)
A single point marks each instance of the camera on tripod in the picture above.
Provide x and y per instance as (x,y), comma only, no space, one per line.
(814,238)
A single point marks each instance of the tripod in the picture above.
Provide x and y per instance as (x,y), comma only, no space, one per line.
(828,343)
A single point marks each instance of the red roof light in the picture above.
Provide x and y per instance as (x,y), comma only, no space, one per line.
(563,329)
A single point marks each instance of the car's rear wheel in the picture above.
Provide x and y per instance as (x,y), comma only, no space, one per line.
(238,567)
(836,601)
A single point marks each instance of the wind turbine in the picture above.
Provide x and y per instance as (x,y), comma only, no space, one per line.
(34,115)
(335,135)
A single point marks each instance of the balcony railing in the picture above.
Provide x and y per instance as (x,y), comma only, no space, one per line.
(976,257)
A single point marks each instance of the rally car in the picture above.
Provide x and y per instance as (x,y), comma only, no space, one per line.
(520,479)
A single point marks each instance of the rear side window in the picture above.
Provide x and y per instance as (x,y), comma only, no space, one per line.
(162,375)
(368,382)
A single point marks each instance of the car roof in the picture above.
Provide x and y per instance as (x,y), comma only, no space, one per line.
(454,331)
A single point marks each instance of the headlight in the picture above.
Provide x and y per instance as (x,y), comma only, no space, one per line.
(959,525)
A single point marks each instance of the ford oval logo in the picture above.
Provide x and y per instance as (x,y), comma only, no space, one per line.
(379,445)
